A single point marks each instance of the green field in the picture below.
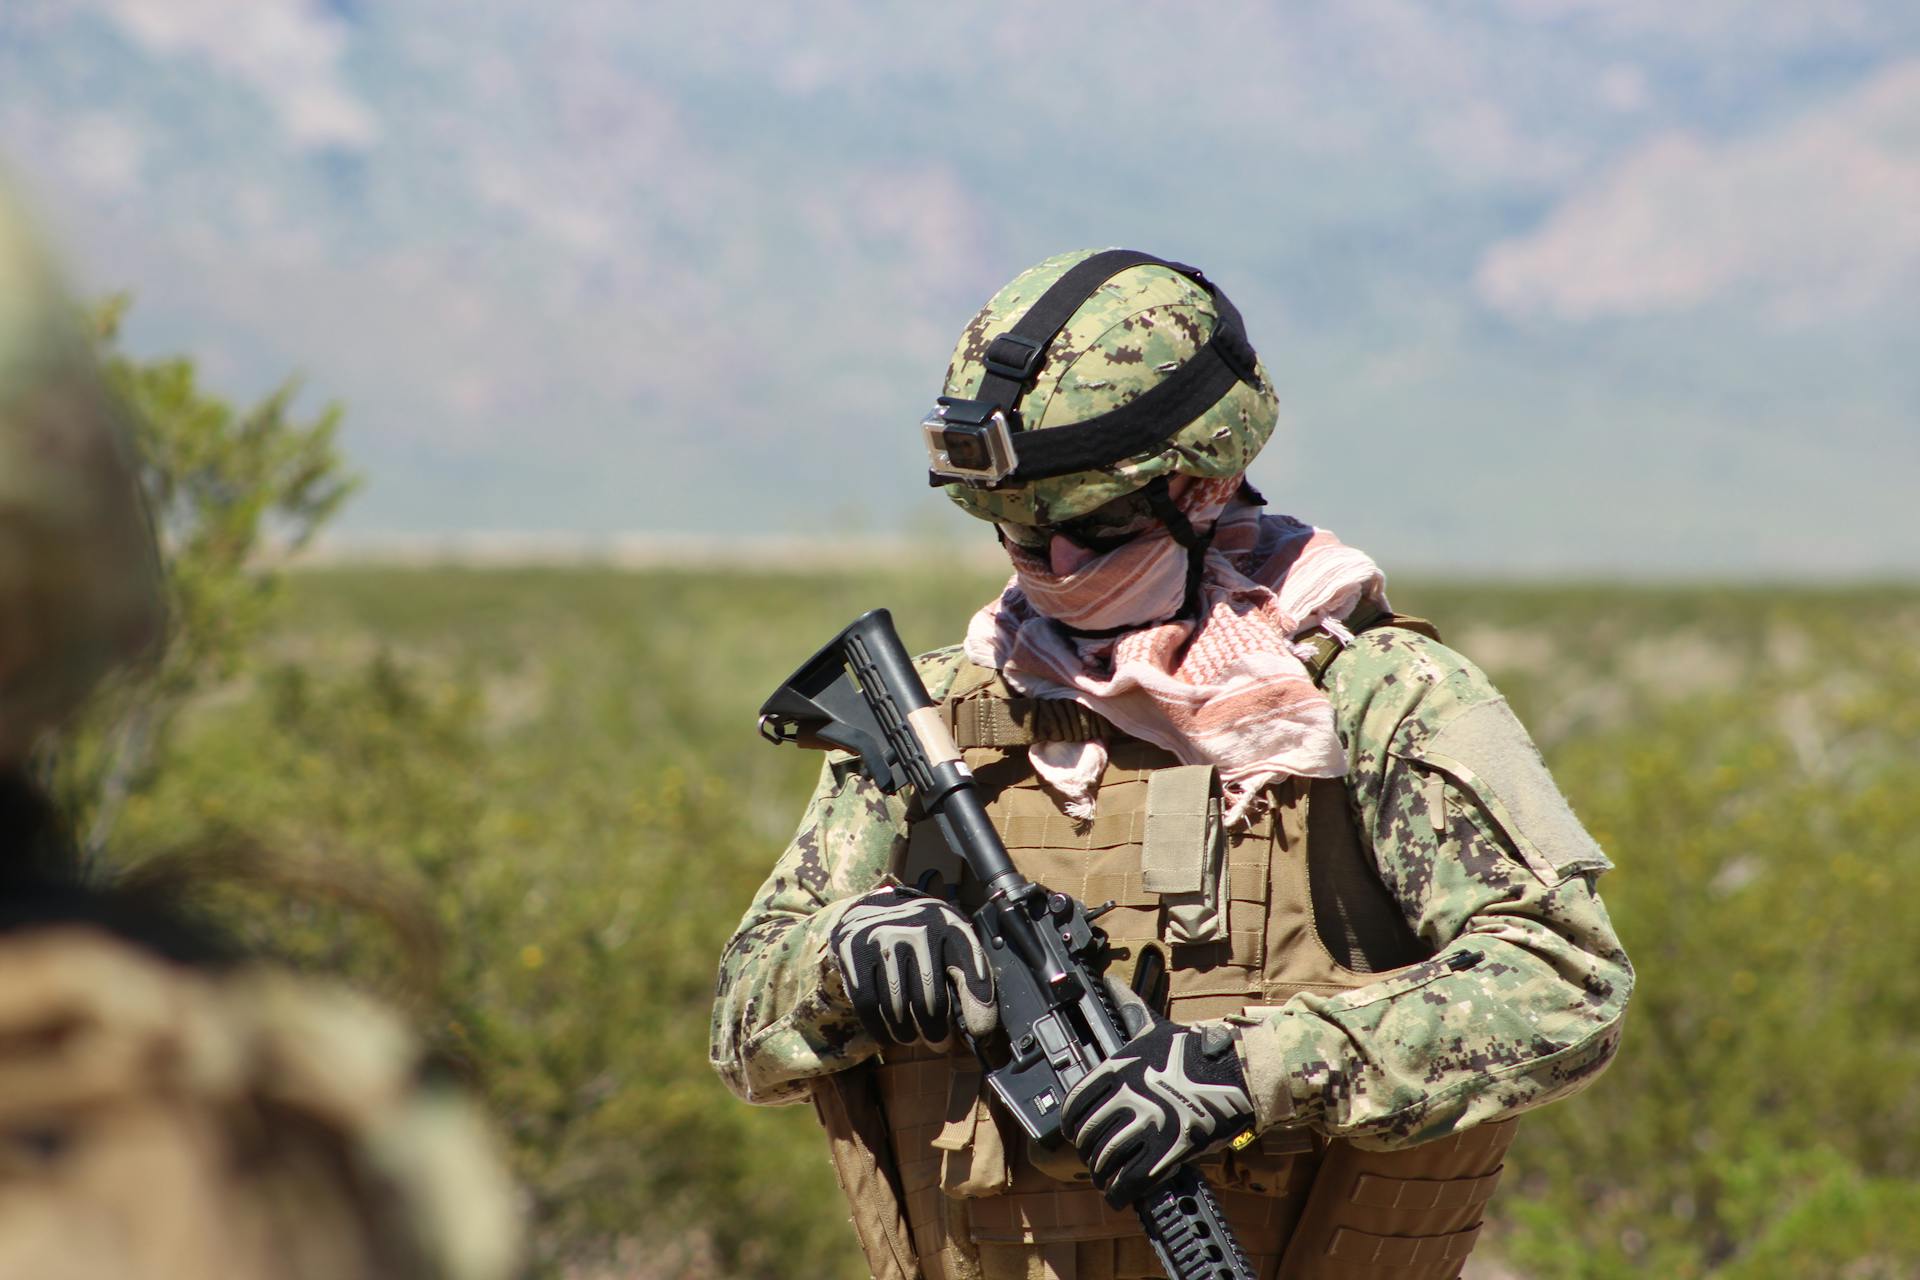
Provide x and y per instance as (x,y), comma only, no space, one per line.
(559,769)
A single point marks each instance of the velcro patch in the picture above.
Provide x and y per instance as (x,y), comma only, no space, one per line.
(1486,751)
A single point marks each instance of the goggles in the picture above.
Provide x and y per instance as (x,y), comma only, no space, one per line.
(1103,529)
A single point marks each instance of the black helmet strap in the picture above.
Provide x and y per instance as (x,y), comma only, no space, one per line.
(1153,417)
(1182,531)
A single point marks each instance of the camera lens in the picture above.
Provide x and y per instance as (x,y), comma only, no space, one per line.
(967,448)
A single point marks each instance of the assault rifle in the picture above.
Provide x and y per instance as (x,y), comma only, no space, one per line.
(861,693)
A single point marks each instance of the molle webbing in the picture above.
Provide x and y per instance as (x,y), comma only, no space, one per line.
(1372,1191)
(1411,1213)
(1101,861)
(1263,1221)
(1016,722)
(1402,1253)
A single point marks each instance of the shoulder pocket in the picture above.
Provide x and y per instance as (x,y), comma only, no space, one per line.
(1486,752)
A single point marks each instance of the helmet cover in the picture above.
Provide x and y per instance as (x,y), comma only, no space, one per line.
(1138,327)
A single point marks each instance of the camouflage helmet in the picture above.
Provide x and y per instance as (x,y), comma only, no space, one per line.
(1138,327)
(79,587)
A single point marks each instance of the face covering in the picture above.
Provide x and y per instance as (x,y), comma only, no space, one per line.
(1225,686)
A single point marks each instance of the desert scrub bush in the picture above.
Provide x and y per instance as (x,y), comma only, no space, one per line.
(228,490)
(560,772)
(1767,841)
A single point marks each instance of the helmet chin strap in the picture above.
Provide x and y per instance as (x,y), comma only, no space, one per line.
(1181,530)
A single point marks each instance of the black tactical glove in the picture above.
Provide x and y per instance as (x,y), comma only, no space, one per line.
(909,962)
(1170,1094)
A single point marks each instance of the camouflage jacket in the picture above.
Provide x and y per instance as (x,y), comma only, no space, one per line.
(1470,836)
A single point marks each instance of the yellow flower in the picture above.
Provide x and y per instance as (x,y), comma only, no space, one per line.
(532,957)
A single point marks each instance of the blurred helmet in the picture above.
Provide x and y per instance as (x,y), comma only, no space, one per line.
(180,1123)
(1087,378)
(79,586)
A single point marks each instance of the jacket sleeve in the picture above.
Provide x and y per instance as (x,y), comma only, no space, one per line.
(1522,1001)
(780,1014)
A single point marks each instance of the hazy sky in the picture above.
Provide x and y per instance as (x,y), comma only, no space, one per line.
(1545,284)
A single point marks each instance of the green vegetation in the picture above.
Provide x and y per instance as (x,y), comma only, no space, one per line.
(221,483)
(532,805)
(560,769)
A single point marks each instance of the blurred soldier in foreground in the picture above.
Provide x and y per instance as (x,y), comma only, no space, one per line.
(1334,862)
(169,1111)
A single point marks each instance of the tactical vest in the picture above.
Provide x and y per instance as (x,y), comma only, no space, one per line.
(1241,922)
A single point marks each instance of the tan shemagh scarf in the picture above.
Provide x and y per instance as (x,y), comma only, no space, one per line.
(1228,689)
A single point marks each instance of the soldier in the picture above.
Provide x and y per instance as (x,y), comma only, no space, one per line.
(1341,873)
(168,1109)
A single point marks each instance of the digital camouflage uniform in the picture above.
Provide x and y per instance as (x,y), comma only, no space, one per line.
(1478,851)
(1515,986)
(1537,1015)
